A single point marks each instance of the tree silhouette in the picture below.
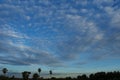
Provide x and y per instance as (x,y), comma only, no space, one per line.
(35,76)
(4,70)
(39,70)
(25,75)
(94,76)
(50,72)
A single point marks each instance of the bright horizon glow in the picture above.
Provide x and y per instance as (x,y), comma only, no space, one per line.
(66,36)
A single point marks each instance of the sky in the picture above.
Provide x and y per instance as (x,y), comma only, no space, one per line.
(66,36)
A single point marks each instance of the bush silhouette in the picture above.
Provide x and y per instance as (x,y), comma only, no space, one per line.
(25,75)
(35,76)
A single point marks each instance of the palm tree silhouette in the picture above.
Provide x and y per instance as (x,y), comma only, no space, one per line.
(4,70)
(50,72)
(39,70)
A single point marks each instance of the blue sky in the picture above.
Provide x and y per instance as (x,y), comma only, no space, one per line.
(61,35)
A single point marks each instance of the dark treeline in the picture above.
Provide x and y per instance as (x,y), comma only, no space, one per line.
(96,76)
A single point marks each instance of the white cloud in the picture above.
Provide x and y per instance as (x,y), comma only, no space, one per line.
(99,36)
(101,2)
(7,30)
(115,22)
(75,17)
(82,2)
(28,17)
(84,10)
(114,16)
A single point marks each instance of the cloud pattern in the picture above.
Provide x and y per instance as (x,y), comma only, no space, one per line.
(57,32)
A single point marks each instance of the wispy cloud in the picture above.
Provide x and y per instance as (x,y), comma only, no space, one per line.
(7,31)
(23,55)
